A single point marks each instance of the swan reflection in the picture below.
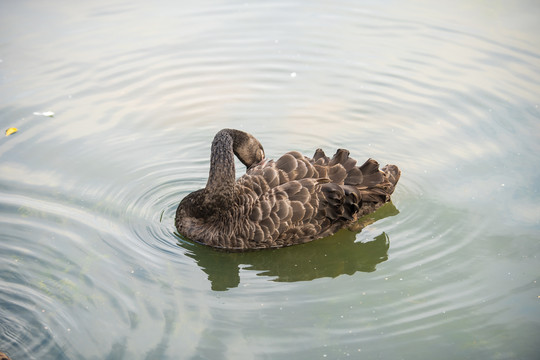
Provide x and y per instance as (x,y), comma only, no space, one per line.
(329,257)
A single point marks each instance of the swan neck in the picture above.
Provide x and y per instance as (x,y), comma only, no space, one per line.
(222,172)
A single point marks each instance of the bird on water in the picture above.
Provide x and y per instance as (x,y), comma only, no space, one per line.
(292,200)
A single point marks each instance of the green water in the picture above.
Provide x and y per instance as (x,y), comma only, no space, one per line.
(91,267)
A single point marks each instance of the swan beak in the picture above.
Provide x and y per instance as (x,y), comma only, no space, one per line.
(262,163)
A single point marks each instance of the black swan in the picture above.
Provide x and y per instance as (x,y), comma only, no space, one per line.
(290,201)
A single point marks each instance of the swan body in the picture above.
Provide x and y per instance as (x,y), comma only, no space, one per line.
(290,201)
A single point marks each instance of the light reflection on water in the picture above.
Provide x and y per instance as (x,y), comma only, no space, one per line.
(91,266)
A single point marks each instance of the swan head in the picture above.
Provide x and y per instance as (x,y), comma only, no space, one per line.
(247,148)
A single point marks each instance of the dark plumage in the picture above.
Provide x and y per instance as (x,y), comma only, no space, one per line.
(290,201)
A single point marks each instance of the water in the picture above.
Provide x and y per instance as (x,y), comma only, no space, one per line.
(90,266)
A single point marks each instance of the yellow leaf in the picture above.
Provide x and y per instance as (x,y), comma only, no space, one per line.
(11,131)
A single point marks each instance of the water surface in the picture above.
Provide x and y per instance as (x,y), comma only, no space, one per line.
(91,267)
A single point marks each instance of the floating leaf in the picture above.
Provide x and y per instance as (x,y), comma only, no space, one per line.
(45,113)
(11,130)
